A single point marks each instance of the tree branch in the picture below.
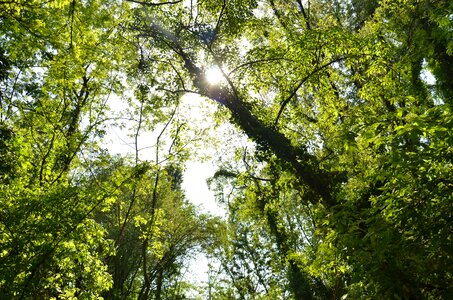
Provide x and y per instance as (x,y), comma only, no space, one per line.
(299,85)
(230,174)
(304,14)
(249,63)
(154,4)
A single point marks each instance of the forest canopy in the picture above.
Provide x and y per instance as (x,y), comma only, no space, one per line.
(345,187)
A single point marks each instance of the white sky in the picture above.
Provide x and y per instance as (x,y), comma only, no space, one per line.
(196,188)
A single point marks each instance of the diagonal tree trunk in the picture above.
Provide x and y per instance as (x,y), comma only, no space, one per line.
(267,136)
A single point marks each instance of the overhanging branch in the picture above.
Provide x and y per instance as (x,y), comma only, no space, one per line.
(266,136)
(299,85)
(154,4)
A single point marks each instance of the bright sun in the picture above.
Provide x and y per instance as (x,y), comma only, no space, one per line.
(214,75)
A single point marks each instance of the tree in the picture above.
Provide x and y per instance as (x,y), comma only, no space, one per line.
(347,190)
(344,109)
(152,241)
(56,78)
(75,221)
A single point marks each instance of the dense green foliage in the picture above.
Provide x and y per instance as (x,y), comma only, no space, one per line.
(346,193)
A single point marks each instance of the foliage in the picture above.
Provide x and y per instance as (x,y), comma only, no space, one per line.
(335,98)
(346,193)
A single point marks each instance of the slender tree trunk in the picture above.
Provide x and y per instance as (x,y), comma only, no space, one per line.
(159,281)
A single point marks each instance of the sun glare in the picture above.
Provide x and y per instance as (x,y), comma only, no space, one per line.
(214,75)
